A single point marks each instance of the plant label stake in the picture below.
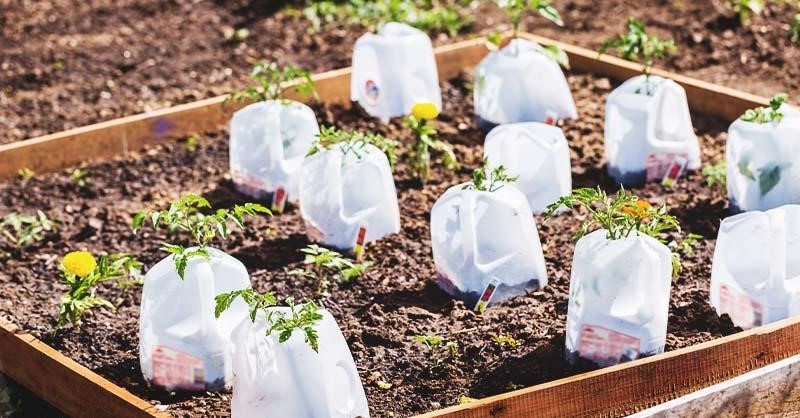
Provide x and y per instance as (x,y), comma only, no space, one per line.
(486,297)
(674,171)
(551,118)
(279,200)
(358,250)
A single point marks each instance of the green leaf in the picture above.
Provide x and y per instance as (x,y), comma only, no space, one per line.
(769,179)
(744,169)
(555,53)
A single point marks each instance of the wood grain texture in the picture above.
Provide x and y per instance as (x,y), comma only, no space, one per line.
(65,384)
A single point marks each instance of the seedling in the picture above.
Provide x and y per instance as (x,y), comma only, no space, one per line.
(427,137)
(504,340)
(638,45)
(464,399)
(682,248)
(185,214)
(302,318)
(81,273)
(25,173)
(746,9)
(515,10)
(716,175)
(80,177)
(352,142)
(488,179)
(21,231)
(767,114)
(273,82)
(323,266)
(439,350)
(193,142)
(794,29)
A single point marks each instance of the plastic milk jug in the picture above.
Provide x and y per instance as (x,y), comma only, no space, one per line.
(182,346)
(648,132)
(394,69)
(520,83)
(289,379)
(763,163)
(538,154)
(348,197)
(618,298)
(755,277)
(268,142)
(486,246)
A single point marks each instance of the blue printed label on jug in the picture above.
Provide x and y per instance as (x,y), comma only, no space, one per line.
(371,92)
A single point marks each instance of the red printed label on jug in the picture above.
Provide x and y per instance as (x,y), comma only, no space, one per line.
(658,165)
(606,347)
(358,250)
(744,312)
(173,369)
(248,184)
(279,200)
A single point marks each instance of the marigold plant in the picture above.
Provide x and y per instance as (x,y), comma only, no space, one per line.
(427,138)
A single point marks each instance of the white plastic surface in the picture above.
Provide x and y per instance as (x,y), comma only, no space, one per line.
(394,69)
(771,152)
(618,298)
(281,380)
(755,277)
(645,133)
(477,236)
(519,83)
(341,193)
(536,152)
(182,346)
(268,142)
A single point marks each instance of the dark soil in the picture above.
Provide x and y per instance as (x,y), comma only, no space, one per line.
(379,313)
(67,63)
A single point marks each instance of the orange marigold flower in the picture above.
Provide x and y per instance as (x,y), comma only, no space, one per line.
(639,209)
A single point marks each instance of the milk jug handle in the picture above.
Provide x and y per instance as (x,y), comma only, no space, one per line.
(467,224)
(666,88)
(203,276)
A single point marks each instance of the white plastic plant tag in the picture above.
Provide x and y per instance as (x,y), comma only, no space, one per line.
(268,142)
(647,126)
(755,276)
(279,200)
(394,69)
(343,191)
(538,154)
(674,171)
(521,83)
(486,296)
(289,379)
(182,346)
(478,235)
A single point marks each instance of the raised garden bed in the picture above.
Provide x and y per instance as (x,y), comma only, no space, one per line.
(397,299)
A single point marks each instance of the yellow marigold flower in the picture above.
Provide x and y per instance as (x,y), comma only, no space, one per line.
(79,263)
(425,110)
(639,209)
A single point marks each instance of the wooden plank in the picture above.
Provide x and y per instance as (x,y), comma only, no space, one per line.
(703,97)
(120,136)
(65,384)
(630,387)
(769,391)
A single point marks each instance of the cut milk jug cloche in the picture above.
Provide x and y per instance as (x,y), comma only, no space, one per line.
(763,160)
(268,142)
(348,197)
(755,277)
(394,69)
(289,379)
(648,132)
(485,243)
(182,346)
(618,298)
(538,155)
(521,83)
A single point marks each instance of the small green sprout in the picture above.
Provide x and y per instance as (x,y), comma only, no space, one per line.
(765,114)
(679,249)
(746,9)
(794,29)
(303,318)
(82,275)
(464,399)
(439,350)
(488,179)
(352,142)
(323,266)
(273,82)
(80,177)
(193,142)
(716,175)
(638,45)
(21,231)
(503,340)
(515,10)
(25,173)
(185,214)
(427,139)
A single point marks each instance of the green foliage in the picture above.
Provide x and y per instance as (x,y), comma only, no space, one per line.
(428,15)
(619,216)
(352,141)
(716,175)
(193,142)
(679,249)
(555,53)
(21,231)
(80,177)
(746,9)
(766,114)
(637,45)
(439,351)
(25,173)
(488,179)
(272,82)
(302,318)
(427,140)
(504,340)
(185,214)
(323,266)
(516,10)
(794,29)
(81,291)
